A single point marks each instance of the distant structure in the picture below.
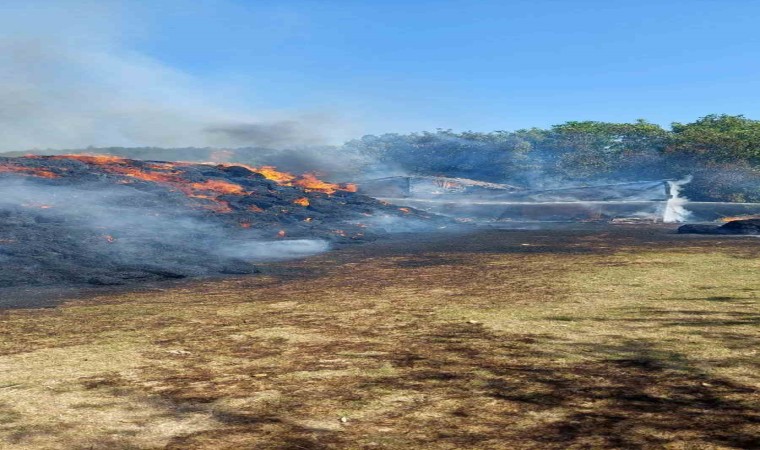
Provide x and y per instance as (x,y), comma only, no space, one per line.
(431,187)
(478,200)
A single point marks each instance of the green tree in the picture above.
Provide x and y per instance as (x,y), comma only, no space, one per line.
(602,149)
(718,138)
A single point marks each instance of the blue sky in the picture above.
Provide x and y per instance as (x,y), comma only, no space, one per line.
(479,65)
(393,66)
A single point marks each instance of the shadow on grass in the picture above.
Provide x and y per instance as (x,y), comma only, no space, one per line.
(471,387)
(631,395)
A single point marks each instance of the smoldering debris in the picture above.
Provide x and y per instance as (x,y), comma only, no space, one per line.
(732,227)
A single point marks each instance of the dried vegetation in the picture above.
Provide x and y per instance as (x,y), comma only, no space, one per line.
(619,337)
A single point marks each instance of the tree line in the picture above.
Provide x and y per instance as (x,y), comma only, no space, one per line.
(721,152)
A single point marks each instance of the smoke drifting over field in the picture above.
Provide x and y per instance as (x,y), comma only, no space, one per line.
(108,220)
(103,234)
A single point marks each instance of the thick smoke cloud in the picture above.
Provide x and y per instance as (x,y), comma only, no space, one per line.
(69,78)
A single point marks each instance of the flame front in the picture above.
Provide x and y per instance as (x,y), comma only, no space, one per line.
(172,175)
(310,182)
(32,171)
(94,159)
(219,187)
(745,217)
(271,173)
(307,181)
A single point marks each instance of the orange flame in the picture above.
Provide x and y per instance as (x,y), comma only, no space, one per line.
(303,201)
(33,171)
(94,159)
(310,182)
(156,172)
(220,187)
(170,174)
(746,217)
(281,233)
(271,173)
(307,181)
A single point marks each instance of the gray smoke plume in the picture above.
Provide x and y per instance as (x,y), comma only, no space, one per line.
(307,130)
(69,78)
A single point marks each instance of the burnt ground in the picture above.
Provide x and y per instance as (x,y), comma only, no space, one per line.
(587,336)
(81,220)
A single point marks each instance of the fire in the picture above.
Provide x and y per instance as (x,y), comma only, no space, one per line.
(171,174)
(220,187)
(121,166)
(156,172)
(281,234)
(271,173)
(158,177)
(405,210)
(33,171)
(94,159)
(310,182)
(245,224)
(746,217)
(303,201)
(110,239)
(166,173)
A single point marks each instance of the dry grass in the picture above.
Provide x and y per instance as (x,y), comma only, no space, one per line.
(581,339)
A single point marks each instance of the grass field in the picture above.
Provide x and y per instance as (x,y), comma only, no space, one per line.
(606,337)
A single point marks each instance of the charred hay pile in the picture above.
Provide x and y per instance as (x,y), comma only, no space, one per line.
(736,227)
(109,220)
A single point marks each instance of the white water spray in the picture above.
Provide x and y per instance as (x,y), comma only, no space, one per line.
(675,210)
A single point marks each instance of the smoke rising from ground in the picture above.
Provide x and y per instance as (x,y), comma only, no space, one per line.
(89,233)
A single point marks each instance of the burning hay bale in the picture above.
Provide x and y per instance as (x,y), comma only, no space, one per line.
(107,220)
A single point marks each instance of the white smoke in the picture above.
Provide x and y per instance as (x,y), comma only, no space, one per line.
(131,228)
(275,250)
(675,209)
